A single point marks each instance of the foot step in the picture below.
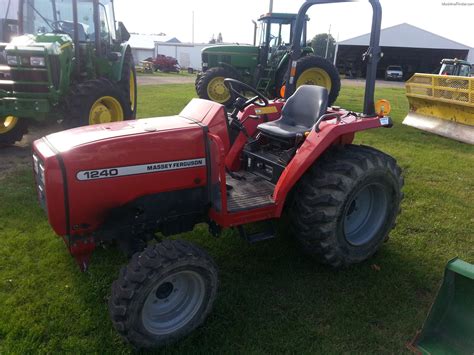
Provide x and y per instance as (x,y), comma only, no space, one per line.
(268,233)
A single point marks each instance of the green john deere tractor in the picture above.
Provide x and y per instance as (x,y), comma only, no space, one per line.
(71,64)
(265,66)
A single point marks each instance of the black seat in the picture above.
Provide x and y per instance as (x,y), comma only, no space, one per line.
(300,113)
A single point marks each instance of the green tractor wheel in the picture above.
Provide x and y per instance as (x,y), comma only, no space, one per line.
(12,129)
(314,70)
(211,85)
(97,101)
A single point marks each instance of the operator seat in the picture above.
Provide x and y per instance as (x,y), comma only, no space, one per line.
(300,113)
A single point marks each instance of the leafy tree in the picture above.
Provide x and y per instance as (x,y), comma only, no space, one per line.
(319,43)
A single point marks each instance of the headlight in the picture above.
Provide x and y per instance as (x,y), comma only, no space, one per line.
(37,62)
(41,173)
(35,164)
(205,65)
(12,60)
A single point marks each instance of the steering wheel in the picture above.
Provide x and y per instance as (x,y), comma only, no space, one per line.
(259,99)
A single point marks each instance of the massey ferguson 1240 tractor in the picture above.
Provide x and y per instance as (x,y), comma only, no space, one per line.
(71,63)
(126,181)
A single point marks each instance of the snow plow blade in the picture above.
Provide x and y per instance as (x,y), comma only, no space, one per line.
(449,328)
(442,104)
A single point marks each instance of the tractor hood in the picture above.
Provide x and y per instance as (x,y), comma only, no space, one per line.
(234,49)
(195,115)
(51,43)
(67,140)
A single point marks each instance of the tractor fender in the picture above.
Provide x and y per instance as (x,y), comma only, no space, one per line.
(117,67)
(315,145)
(232,69)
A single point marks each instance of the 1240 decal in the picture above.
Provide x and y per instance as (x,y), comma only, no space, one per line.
(139,169)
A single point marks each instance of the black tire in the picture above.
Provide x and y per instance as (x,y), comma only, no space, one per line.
(144,282)
(128,69)
(312,61)
(202,86)
(84,95)
(14,134)
(324,203)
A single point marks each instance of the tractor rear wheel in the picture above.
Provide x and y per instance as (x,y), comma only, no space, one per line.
(315,70)
(211,85)
(97,101)
(163,294)
(12,129)
(128,83)
(346,204)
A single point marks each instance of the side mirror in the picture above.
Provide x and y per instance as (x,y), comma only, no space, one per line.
(124,35)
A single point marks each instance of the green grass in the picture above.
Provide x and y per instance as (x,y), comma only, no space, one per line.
(271,298)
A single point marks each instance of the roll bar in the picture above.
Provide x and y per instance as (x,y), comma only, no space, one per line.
(372,55)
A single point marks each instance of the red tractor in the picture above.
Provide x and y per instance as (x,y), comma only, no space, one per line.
(125,181)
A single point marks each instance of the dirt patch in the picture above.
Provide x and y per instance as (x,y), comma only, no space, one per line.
(19,155)
(157,80)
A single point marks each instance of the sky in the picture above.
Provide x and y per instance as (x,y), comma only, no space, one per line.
(233,18)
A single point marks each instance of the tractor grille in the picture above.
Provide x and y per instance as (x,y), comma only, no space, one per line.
(29,75)
(11,86)
(40,178)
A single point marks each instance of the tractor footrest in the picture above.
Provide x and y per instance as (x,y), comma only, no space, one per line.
(268,233)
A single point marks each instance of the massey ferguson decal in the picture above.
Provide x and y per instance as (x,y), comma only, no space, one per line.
(139,169)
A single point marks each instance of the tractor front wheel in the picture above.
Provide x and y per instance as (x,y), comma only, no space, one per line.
(210,85)
(346,205)
(97,101)
(163,294)
(314,70)
(12,129)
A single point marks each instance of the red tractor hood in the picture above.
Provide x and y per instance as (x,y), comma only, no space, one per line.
(67,140)
(196,112)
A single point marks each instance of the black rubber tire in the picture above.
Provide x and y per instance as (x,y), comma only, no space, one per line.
(146,270)
(16,134)
(83,96)
(323,196)
(207,76)
(129,65)
(312,61)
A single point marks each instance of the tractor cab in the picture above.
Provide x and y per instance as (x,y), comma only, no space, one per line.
(456,67)
(90,26)
(276,32)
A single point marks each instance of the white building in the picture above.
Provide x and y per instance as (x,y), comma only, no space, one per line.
(187,54)
(143,45)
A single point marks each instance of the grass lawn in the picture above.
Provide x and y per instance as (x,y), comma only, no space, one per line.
(271,298)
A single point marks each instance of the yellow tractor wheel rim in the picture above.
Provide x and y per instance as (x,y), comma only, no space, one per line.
(105,110)
(216,90)
(314,76)
(132,89)
(7,124)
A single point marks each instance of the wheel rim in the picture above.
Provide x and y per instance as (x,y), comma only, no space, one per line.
(132,89)
(314,76)
(173,302)
(7,124)
(365,214)
(216,90)
(105,110)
